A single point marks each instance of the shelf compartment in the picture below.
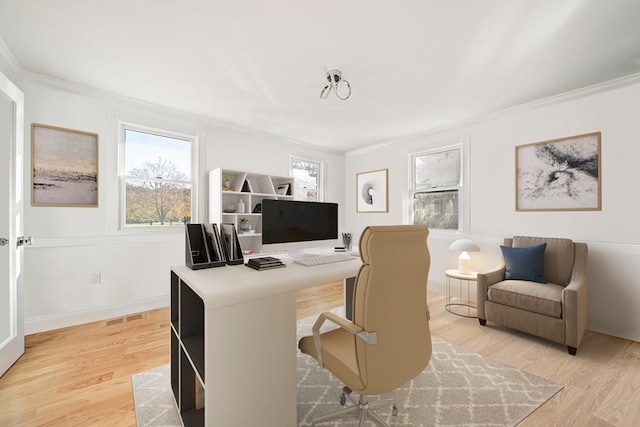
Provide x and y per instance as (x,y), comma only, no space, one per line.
(237,180)
(258,187)
(194,346)
(175,366)
(277,182)
(192,326)
(191,417)
(261,184)
(175,289)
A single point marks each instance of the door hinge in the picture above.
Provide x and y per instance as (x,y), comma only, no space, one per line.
(3,241)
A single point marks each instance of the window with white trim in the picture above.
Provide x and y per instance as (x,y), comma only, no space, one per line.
(157,176)
(436,190)
(308,179)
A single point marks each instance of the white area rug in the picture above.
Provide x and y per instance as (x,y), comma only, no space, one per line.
(458,388)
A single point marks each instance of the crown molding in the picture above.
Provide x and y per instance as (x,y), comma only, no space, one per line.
(80,89)
(84,90)
(8,61)
(544,102)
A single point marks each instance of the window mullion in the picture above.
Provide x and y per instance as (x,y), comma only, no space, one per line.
(167,181)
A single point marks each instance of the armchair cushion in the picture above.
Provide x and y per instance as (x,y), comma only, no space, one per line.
(524,263)
(529,296)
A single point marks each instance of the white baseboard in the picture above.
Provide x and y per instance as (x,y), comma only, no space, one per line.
(48,323)
(439,288)
(616,329)
(57,321)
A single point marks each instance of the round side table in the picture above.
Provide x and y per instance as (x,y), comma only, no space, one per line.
(460,301)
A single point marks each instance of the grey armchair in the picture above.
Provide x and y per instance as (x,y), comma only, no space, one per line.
(556,310)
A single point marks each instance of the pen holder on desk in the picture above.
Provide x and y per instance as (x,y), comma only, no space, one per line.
(346,241)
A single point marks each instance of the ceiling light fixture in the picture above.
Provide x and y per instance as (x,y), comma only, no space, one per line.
(334,77)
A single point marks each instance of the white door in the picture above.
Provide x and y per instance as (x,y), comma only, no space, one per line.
(11,227)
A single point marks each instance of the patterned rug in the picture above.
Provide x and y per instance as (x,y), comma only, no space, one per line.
(458,388)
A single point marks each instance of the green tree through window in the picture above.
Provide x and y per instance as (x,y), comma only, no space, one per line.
(157,179)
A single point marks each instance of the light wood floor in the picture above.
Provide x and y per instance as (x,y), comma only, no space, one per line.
(81,376)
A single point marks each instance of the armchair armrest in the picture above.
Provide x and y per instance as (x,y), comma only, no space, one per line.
(486,279)
(369,337)
(575,298)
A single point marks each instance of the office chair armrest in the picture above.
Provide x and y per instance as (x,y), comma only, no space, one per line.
(369,337)
(334,318)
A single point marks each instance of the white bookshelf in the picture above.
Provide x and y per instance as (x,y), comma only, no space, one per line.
(252,189)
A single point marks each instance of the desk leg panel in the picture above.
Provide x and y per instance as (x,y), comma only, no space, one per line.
(250,363)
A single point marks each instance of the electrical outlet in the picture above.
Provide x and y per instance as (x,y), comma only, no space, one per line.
(95,278)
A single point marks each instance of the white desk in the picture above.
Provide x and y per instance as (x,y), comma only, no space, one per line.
(250,339)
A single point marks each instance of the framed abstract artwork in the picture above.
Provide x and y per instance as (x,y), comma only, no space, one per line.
(372,191)
(559,175)
(64,166)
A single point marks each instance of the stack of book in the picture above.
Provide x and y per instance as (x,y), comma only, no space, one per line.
(264,263)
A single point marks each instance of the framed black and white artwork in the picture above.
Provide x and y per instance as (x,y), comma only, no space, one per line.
(372,191)
(559,175)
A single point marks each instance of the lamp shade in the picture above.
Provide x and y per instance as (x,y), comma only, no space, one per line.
(464,246)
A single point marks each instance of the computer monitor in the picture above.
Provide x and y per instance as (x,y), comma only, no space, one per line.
(293,226)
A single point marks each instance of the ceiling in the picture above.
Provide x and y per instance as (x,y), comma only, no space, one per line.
(413,65)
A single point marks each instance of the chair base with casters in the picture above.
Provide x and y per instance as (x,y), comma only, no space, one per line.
(361,409)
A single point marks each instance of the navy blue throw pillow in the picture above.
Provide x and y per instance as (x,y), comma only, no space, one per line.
(524,263)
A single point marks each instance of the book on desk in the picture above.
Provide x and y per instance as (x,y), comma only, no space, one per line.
(265,263)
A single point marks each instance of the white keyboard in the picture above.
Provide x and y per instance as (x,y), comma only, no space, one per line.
(310,261)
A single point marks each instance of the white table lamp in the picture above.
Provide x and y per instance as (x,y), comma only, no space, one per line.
(464,261)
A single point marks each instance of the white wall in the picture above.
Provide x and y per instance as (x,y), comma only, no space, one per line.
(72,243)
(613,234)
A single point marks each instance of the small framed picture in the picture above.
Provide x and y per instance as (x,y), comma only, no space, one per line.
(559,175)
(282,190)
(372,191)
(64,167)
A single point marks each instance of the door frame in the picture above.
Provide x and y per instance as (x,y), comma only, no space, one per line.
(12,347)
